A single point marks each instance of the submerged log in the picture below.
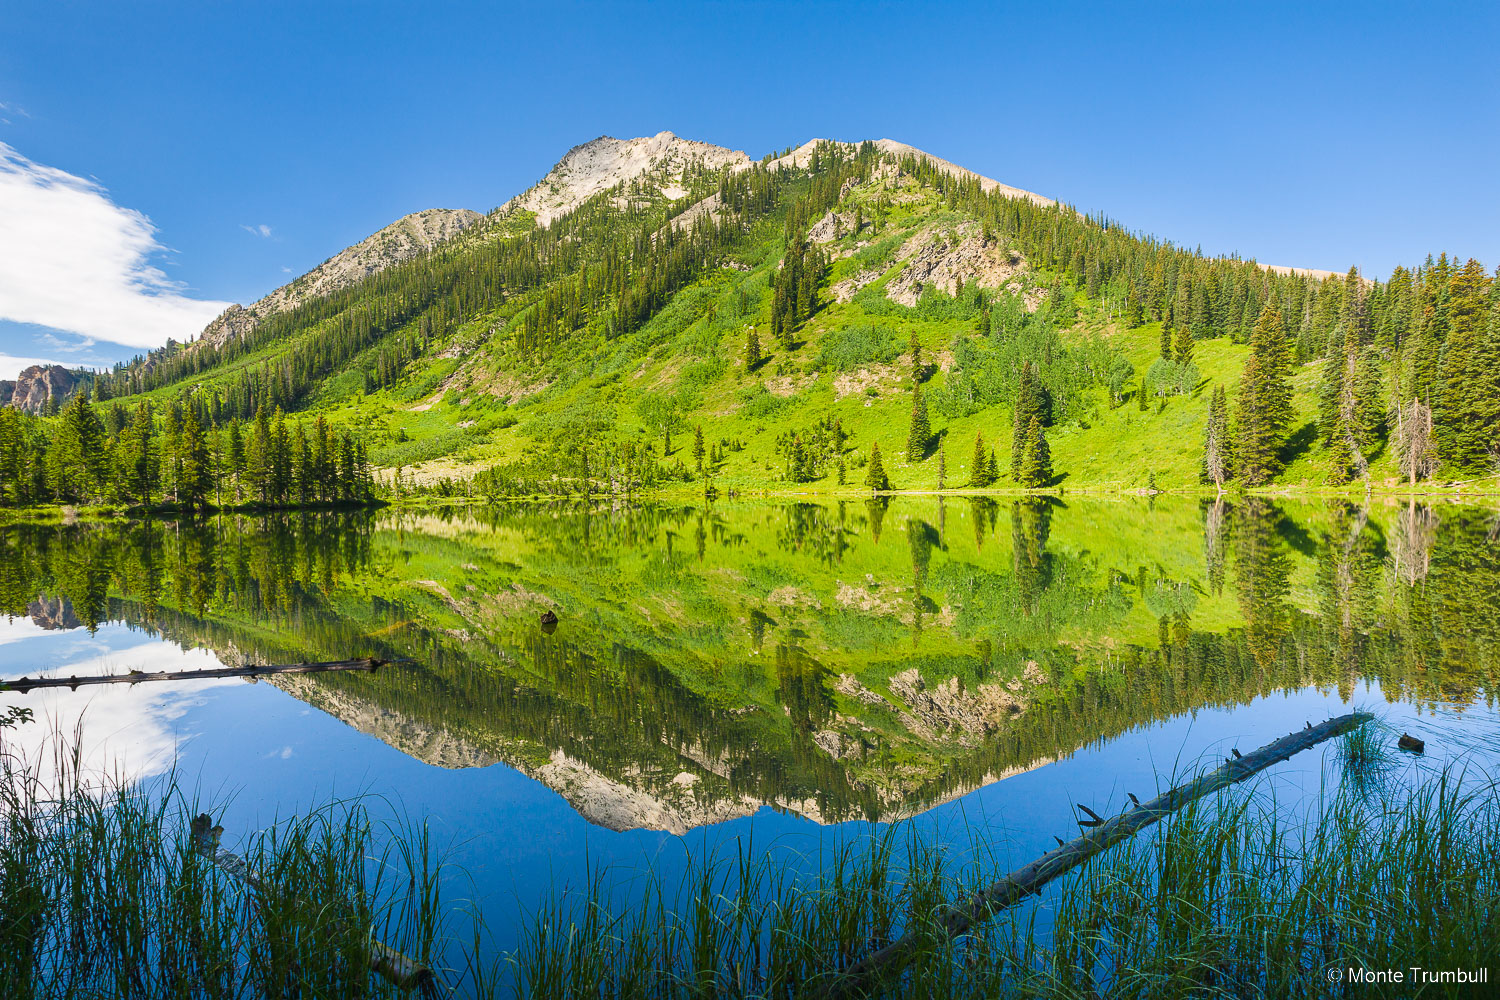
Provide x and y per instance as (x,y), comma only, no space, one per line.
(1030,880)
(25,684)
(395,966)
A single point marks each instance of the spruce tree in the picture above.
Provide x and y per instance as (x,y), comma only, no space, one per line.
(942,468)
(1030,405)
(920,434)
(196,484)
(1182,346)
(1166,339)
(752,351)
(1265,401)
(1037,470)
(698,449)
(979,471)
(875,476)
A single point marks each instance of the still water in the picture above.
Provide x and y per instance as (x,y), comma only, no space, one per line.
(770,677)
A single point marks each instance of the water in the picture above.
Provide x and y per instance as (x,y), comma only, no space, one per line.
(775,676)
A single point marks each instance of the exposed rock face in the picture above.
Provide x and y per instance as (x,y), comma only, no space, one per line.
(398,242)
(437,747)
(605,162)
(942,261)
(53,613)
(947,707)
(35,385)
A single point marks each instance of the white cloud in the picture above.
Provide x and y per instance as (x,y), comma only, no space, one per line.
(10,366)
(73,260)
(262,230)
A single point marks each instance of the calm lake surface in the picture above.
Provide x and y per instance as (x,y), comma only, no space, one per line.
(773,676)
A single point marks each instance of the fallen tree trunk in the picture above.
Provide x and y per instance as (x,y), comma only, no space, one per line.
(1028,881)
(395,966)
(26,684)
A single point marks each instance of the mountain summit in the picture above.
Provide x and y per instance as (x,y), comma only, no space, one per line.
(657,160)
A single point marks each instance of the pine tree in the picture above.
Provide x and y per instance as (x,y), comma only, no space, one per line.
(196,484)
(942,468)
(1265,401)
(979,471)
(920,434)
(1166,340)
(752,351)
(1030,405)
(1182,346)
(698,450)
(1037,470)
(875,476)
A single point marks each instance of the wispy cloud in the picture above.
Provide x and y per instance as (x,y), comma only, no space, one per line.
(8,109)
(11,366)
(262,230)
(73,260)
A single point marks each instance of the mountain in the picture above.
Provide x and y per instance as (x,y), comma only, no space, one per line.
(38,385)
(400,241)
(655,163)
(658,313)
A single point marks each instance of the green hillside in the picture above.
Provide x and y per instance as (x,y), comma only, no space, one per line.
(767,328)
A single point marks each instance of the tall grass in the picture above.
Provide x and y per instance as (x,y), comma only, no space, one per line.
(1229,897)
(103,895)
(1232,896)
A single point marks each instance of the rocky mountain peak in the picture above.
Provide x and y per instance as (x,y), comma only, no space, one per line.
(398,242)
(602,163)
(34,386)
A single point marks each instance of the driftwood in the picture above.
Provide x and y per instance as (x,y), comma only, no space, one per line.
(26,684)
(394,966)
(1101,836)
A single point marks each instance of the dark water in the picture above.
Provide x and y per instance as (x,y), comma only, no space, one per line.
(776,675)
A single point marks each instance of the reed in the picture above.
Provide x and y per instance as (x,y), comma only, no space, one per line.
(1234,895)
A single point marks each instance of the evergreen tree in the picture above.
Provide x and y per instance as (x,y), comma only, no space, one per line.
(942,468)
(752,351)
(920,434)
(1217,467)
(1166,340)
(196,483)
(1182,346)
(979,472)
(698,450)
(1037,469)
(1031,404)
(1265,400)
(875,476)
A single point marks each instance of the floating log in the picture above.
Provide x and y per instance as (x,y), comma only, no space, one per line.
(1028,881)
(26,684)
(396,967)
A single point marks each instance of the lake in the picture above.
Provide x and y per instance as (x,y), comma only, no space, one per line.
(763,676)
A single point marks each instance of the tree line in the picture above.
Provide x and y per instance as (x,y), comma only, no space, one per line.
(94,454)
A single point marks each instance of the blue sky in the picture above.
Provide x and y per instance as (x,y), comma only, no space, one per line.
(161,159)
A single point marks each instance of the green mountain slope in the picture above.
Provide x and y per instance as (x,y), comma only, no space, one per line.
(613,348)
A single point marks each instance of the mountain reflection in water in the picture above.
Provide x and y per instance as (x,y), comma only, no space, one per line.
(842,660)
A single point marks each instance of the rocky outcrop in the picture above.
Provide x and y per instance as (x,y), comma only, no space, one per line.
(36,385)
(949,708)
(943,260)
(396,243)
(437,747)
(53,613)
(657,161)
